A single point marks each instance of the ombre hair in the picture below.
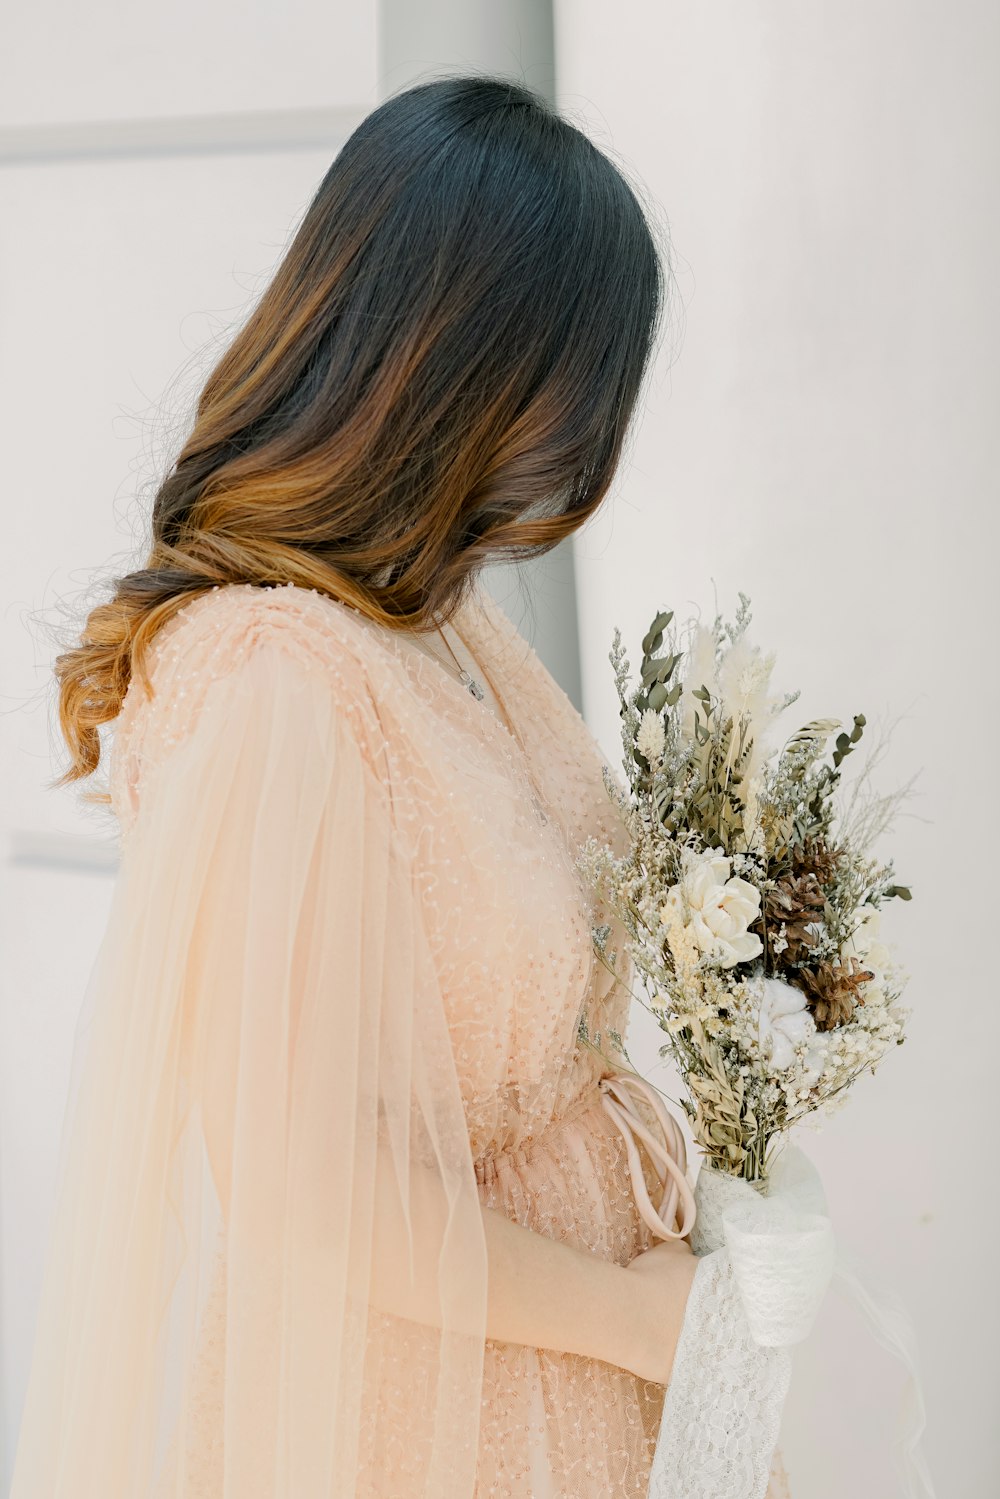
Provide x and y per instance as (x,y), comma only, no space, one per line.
(441,373)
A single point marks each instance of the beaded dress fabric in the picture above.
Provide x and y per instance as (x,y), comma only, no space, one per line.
(335,1010)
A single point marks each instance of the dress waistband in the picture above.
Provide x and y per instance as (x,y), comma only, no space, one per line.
(518,1152)
(616,1097)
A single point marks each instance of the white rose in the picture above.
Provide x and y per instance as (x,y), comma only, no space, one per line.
(721,909)
(783,1022)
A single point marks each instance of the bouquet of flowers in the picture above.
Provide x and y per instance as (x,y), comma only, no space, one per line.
(750,901)
(752,909)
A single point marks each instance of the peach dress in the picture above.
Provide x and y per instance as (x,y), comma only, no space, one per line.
(335,1010)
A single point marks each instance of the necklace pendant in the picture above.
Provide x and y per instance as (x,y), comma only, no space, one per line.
(472,685)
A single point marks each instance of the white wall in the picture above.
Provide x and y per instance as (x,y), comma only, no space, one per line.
(153,164)
(820,431)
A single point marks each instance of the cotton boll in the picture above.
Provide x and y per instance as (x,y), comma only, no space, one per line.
(784,1021)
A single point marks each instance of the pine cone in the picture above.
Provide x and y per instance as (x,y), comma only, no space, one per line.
(787,908)
(832,990)
(816,856)
(797,898)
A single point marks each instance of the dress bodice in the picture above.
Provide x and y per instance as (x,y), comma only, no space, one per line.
(506,914)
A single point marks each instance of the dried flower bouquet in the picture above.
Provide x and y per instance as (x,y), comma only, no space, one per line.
(751,902)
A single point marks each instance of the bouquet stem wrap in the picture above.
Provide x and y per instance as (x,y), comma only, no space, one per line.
(766,1261)
(765,1264)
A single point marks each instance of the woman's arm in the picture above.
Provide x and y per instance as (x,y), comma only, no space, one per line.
(542,1292)
(553,1295)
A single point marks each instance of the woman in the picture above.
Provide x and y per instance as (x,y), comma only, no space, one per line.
(340,1212)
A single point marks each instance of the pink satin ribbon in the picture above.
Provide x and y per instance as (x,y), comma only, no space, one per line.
(668,1154)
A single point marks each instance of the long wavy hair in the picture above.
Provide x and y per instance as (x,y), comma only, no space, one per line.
(441,373)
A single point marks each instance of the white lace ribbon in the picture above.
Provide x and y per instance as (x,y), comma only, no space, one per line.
(781,1246)
(766,1263)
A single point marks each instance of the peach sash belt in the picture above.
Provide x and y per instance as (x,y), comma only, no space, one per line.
(666,1151)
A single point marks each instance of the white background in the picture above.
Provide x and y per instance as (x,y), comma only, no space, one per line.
(816,431)
(826,440)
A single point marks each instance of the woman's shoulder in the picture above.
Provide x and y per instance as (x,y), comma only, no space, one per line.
(205,645)
(213,635)
(226,623)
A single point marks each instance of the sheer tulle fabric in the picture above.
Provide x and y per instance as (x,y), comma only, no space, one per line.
(263,973)
(334,1012)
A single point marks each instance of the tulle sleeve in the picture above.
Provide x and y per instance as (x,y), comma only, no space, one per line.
(265,1151)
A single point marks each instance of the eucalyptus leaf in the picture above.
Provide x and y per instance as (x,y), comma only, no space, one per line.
(653,639)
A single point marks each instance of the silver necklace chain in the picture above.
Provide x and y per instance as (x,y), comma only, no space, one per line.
(464,676)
